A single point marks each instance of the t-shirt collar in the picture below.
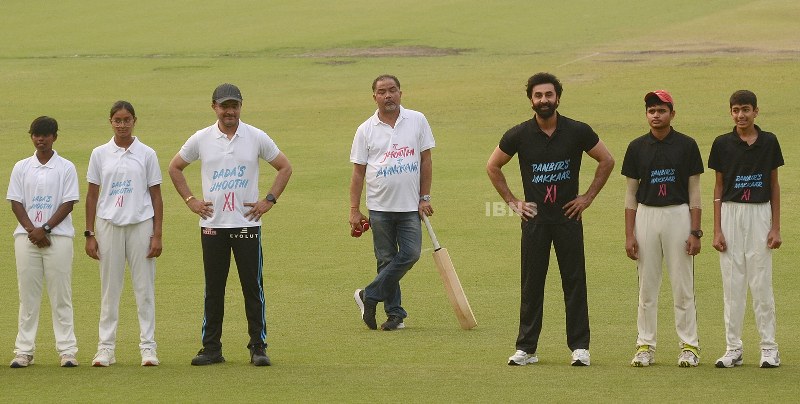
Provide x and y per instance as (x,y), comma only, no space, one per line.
(667,139)
(50,163)
(377,121)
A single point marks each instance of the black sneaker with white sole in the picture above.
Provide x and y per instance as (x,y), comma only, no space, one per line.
(393,323)
(367,309)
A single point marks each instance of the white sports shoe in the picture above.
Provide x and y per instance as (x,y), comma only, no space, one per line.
(68,361)
(104,357)
(149,357)
(687,359)
(645,356)
(22,361)
(770,358)
(580,357)
(732,357)
(522,358)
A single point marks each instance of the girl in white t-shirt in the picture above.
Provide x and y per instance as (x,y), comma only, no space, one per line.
(124,213)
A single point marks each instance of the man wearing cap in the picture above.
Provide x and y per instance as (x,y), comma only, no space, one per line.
(230,209)
(662,223)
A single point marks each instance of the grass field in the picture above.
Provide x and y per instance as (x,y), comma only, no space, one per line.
(305,69)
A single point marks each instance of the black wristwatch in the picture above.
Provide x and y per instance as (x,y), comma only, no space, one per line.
(271,198)
(47,229)
(697,233)
(88,233)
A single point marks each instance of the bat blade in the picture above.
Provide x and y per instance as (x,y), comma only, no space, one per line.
(455,293)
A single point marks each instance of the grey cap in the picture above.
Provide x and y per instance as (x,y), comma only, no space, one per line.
(225,92)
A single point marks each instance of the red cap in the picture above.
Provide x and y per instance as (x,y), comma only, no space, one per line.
(662,95)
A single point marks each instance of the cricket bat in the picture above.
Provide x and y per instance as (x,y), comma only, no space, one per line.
(455,293)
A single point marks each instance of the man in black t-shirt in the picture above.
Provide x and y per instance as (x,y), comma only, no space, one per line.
(550,147)
(747,226)
(662,223)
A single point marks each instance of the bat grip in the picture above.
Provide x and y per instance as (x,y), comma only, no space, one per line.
(435,242)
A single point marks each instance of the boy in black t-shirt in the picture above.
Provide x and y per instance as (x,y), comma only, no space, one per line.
(747,226)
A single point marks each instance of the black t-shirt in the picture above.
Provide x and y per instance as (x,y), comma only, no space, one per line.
(550,165)
(663,167)
(746,169)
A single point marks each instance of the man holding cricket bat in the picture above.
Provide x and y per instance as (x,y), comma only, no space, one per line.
(391,153)
(550,147)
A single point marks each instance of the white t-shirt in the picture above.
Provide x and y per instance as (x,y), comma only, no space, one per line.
(392,156)
(125,178)
(42,188)
(229,171)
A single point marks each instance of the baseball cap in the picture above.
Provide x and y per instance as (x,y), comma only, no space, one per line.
(662,95)
(225,92)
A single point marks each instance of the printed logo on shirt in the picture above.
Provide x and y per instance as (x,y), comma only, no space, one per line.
(120,188)
(229,204)
(43,202)
(555,171)
(749,181)
(209,231)
(399,167)
(229,179)
(38,217)
(662,175)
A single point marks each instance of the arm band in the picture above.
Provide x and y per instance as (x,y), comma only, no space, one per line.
(694,192)
(632,185)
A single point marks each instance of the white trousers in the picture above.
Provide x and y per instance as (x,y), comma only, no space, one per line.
(747,262)
(118,244)
(36,266)
(661,233)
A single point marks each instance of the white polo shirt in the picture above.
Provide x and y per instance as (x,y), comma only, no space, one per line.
(42,188)
(392,156)
(125,178)
(229,171)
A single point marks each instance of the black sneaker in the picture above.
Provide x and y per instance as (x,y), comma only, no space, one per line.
(207,358)
(367,310)
(258,356)
(393,323)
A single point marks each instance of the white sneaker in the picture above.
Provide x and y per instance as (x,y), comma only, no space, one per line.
(580,357)
(68,361)
(732,357)
(104,357)
(770,358)
(522,358)
(22,361)
(149,357)
(687,359)
(645,356)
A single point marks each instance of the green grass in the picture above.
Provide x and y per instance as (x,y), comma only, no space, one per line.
(73,59)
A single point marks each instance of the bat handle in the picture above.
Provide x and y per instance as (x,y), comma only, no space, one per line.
(431,233)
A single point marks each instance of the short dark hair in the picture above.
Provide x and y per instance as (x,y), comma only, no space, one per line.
(744,97)
(385,77)
(653,99)
(543,78)
(44,125)
(122,105)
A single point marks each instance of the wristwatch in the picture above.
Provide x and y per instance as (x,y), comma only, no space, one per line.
(88,233)
(271,198)
(47,229)
(696,233)
(426,198)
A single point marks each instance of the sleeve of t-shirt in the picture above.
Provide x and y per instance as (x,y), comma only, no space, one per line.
(590,139)
(426,140)
(154,176)
(777,160)
(713,157)
(15,189)
(695,160)
(509,143)
(630,164)
(71,192)
(190,151)
(93,173)
(267,149)
(358,151)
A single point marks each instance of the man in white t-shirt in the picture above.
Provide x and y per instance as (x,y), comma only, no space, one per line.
(230,211)
(391,153)
(42,192)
